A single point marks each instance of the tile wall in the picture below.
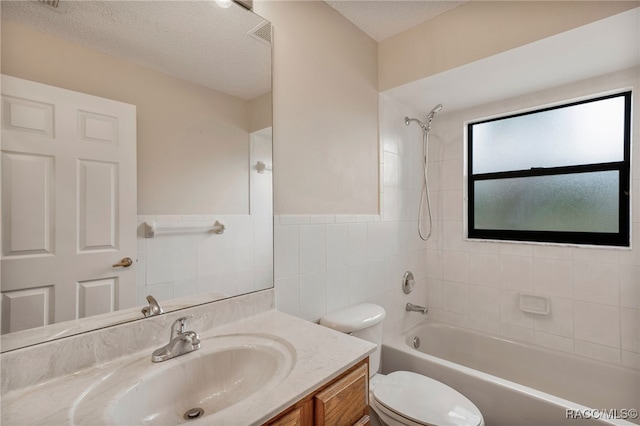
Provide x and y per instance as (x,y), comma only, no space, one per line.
(177,264)
(594,292)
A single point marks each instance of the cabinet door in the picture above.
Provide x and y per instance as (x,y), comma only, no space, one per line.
(346,401)
(299,415)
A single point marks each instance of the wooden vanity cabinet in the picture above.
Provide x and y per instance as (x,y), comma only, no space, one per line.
(343,402)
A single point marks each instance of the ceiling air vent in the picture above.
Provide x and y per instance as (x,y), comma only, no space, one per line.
(52,3)
(262,33)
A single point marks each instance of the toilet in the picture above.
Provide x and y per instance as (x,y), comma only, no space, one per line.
(402,398)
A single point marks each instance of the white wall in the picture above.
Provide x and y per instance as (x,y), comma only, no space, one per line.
(595,292)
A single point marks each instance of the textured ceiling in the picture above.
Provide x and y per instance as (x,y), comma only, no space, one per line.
(192,40)
(382,19)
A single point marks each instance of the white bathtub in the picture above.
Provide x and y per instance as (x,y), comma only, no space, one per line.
(514,383)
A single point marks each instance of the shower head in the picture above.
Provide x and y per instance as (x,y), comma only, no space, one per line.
(436,109)
(425,126)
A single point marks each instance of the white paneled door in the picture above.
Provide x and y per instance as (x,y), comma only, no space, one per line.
(68,205)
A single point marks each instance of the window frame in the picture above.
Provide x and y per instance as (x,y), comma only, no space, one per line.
(619,239)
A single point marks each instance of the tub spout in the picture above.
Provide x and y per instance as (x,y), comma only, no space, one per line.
(415,308)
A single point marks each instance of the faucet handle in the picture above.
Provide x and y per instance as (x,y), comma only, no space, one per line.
(179,326)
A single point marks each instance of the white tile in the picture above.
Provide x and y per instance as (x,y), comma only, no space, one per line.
(435,264)
(510,312)
(358,290)
(141,270)
(516,249)
(394,270)
(554,342)
(391,238)
(630,329)
(553,277)
(630,286)
(484,302)
(518,333)
(184,265)
(287,294)
(435,293)
(208,284)
(516,273)
(452,235)
(188,287)
(285,251)
(596,282)
(596,323)
(589,254)
(553,252)
(313,248)
(244,282)
(263,278)
(417,263)
(357,243)
(390,167)
(456,266)
(456,297)
(375,277)
(452,174)
(159,268)
(376,237)
(294,220)
(337,287)
(313,295)
(452,205)
(319,219)
(559,321)
(484,268)
(338,244)
(599,352)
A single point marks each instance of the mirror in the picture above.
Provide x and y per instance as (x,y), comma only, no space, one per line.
(199,77)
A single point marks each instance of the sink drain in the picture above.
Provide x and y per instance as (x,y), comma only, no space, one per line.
(193,413)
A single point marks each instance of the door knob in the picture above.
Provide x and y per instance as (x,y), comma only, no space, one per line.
(124,263)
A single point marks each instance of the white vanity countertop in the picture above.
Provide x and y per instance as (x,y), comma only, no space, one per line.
(321,354)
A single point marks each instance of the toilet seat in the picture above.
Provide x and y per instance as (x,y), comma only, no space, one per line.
(402,394)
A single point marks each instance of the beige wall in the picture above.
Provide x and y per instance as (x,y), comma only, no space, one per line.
(260,113)
(480,29)
(193,142)
(325,111)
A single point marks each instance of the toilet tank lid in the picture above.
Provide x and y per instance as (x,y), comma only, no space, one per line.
(354,318)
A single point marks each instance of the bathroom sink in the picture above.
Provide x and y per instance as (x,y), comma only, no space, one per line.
(227,370)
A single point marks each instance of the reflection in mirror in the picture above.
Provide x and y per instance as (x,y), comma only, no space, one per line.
(98,93)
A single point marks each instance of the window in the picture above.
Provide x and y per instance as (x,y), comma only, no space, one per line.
(558,174)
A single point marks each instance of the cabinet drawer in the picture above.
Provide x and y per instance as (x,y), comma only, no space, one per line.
(346,401)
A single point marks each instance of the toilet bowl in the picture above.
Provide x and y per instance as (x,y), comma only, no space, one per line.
(402,398)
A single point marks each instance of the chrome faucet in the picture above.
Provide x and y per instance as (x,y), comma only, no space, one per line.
(415,308)
(181,342)
(154,307)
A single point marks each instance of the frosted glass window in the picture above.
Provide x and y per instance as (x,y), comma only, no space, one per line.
(558,174)
(583,202)
(579,134)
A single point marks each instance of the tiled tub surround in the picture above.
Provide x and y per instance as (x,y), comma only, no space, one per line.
(57,368)
(595,292)
(177,264)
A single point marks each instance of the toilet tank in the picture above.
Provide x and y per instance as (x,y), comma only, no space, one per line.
(363,321)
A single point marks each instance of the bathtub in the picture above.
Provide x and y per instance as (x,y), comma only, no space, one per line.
(514,383)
